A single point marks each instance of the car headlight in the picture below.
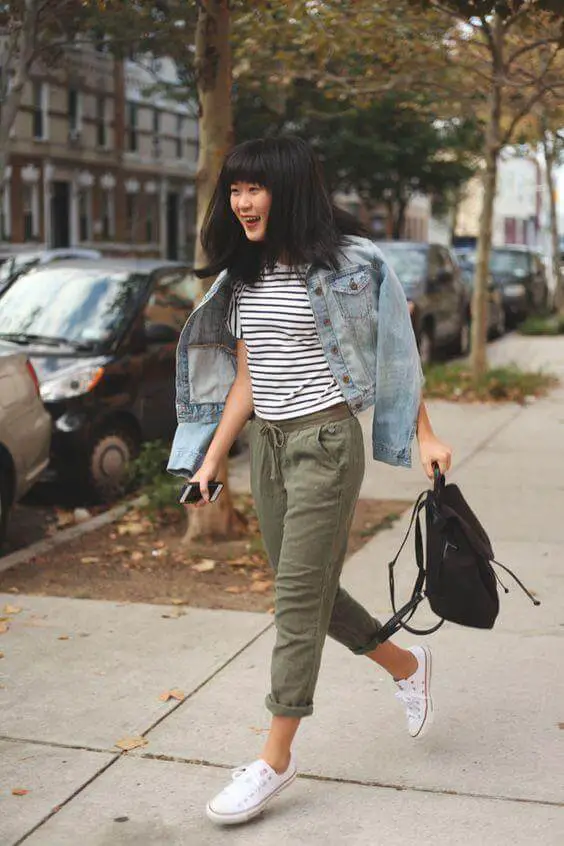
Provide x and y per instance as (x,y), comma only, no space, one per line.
(71,383)
(515,290)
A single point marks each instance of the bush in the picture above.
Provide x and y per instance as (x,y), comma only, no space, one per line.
(148,473)
(502,384)
(552,325)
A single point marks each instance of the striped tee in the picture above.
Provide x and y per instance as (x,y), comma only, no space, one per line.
(289,372)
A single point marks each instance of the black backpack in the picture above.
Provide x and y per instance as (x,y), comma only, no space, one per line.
(456,573)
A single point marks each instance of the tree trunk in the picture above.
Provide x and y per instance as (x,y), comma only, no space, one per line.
(213,70)
(478,356)
(21,45)
(549,157)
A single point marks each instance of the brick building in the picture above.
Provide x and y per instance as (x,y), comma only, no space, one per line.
(98,161)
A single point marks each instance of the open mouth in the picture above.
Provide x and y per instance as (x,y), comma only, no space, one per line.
(251,221)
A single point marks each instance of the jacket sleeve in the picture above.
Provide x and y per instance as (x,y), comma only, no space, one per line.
(399,377)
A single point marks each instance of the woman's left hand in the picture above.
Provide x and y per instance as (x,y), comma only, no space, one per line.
(432,451)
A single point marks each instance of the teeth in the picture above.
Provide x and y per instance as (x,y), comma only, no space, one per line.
(251,219)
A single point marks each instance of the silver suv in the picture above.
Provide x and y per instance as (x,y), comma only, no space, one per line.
(25,431)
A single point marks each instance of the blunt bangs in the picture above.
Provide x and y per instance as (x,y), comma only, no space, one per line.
(249,162)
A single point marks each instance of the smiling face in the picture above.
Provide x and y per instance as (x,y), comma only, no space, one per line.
(251,203)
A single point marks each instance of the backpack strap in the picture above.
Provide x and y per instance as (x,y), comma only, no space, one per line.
(519,582)
(406,612)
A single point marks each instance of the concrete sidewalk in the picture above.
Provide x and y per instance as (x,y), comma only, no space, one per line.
(79,675)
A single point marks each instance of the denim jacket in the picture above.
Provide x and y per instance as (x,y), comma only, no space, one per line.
(365,330)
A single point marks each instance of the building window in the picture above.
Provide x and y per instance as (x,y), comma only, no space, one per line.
(101,138)
(131,215)
(40,95)
(74,105)
(108,215)
(30,212)
(152,229)
(179,136)
(133,114)
(156,133)
(85,214)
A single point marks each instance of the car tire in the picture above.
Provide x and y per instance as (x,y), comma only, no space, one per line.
(108,463)
(464,338)
(426,345)
(500,327)
(5,505)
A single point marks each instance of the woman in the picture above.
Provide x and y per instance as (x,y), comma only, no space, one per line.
(305,326)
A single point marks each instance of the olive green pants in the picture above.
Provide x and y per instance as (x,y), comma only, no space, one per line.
(306,475)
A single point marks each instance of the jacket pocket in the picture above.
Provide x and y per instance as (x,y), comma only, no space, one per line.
(352,291)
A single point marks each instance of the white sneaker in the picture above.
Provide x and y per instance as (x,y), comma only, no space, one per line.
(415,693)
(249,792)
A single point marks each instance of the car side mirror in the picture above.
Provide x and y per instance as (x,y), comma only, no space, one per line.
(160,333)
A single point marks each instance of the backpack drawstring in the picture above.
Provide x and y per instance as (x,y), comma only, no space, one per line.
(519,582)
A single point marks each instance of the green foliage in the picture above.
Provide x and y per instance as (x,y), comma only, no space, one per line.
(148,473)
(387,151)
(551,325)
(456,382)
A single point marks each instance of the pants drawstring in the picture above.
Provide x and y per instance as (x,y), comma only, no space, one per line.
(277,440)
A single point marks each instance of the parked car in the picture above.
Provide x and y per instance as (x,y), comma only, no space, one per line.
(102,337)
(521,275)
(25,430)
(496,309)
(438,301)
(14,265)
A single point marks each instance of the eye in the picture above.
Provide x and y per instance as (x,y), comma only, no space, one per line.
(234,190)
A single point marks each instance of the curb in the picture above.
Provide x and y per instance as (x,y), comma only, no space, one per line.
(21,556)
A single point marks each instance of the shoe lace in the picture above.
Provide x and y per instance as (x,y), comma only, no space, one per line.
(250,775)
(412,701)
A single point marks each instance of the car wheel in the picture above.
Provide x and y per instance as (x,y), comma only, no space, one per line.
(426,345)
(464,338)
(5,505)
(500,324)
(108,463)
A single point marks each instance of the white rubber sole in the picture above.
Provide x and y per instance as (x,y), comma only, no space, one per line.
(428,719)
(249,813)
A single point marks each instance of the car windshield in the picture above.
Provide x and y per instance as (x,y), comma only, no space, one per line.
(409,263)
(76,305)
(508,261)
(17,263)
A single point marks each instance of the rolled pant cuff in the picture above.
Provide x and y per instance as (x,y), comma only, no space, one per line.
(370,646)
(296,711)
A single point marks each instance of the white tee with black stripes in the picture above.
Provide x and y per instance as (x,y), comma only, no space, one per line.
(290,375)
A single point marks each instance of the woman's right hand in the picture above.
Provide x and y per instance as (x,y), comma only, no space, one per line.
(206,473)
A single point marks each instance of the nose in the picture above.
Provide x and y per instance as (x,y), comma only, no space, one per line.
(245,202)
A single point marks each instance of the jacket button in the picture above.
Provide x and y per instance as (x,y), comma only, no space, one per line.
(326,322)
(319,290)
(346,379)
(354,286)
(334,350)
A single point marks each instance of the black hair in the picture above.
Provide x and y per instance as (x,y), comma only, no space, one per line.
(304,226)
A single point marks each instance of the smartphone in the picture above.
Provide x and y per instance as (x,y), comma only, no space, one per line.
(190,492)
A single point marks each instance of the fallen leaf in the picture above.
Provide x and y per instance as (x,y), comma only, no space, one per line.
(131,529)
(63,637)
(1,654)
(13,590)
(135,742)
(270,610)
(4,627)
(204,566)
(89,559)
(235,589)
(174,615)
(119,549)
(172,694)
(136,556)
(260,587)
(239,562)
(561,726)
(19,791)
(177,602)
(258,730)
(11,609)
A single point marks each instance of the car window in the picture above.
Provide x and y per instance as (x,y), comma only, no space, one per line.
(509,261)
(409,263)
(88,306)
(171,300)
